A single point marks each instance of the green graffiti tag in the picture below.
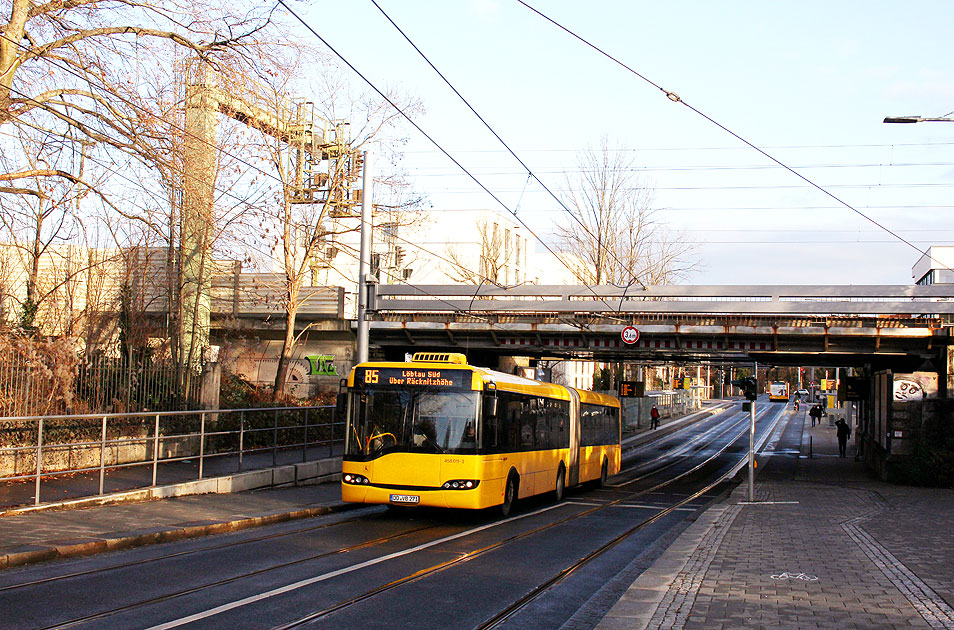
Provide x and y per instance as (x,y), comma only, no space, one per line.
(322,365)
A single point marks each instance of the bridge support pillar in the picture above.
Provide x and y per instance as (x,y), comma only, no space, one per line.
(946,380)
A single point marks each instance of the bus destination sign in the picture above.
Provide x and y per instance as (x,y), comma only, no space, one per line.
(412,377)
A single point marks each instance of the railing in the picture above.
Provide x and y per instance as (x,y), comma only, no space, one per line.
(742,299)
(671,402)
(135,450)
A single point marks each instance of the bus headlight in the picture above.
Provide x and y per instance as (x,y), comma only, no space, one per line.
(357,480)
(460,484)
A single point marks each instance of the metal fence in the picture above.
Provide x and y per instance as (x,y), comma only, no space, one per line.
(673,402)
(94,454)
(33,383)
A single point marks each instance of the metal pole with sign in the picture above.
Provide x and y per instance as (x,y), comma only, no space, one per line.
(752,451)
(752,437)
(364,261)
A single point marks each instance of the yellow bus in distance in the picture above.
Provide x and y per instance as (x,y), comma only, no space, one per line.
(778,390)
(436,431)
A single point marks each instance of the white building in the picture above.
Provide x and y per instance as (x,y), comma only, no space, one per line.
(438,247)
(935,266)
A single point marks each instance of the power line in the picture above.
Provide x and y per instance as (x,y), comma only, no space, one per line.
(457,191)
(428,137)
(726,148)
(530,172)
(675,98)
(424,171)
(211,145)
(526,168)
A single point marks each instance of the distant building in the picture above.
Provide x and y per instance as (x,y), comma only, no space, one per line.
(437,247)
(935,266)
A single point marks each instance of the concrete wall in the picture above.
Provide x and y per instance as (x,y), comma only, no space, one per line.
(319,363)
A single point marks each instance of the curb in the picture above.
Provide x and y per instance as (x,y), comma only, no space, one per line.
(307,473)
(30,554)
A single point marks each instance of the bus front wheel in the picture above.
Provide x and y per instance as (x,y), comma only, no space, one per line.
(510,496)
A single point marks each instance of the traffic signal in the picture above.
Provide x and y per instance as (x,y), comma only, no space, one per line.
(749,387)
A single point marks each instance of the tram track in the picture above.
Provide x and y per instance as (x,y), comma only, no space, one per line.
(538,590)
(180,554)
(195,589)
(500,618)
(494,621)
(712,434)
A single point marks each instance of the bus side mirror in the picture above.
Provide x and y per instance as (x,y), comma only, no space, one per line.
(490,404)
(489,433)
(341,402)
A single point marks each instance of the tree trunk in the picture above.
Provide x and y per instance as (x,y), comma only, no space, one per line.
(284,359)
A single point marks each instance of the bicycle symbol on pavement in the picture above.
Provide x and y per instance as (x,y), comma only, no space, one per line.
(795,576)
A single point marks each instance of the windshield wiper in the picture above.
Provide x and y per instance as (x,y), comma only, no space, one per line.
(428,439)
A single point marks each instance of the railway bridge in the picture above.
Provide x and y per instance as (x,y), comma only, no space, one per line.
(898,327)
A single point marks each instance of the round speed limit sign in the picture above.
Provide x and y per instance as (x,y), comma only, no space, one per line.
(630,335)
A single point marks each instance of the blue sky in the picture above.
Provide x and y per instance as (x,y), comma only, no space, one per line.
(808,82)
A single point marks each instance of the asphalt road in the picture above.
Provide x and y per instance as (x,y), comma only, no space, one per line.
(547,566)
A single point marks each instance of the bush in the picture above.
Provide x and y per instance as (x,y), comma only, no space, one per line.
(239,393)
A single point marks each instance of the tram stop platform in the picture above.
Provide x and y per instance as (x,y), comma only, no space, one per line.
(823,546)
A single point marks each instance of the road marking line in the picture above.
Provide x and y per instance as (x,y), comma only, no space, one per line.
(327,576)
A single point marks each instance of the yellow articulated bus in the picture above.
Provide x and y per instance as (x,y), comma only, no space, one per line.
(438,432)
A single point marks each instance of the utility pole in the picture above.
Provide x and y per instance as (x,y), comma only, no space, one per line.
(364,264)
(752,438)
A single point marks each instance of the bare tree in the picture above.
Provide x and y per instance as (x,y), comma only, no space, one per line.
(616,232)
(314,164)
(492,258)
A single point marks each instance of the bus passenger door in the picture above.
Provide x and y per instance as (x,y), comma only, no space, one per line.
(573,463)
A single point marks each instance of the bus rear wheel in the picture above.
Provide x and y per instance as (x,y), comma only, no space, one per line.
(510,496)
(560,484)
(603,475)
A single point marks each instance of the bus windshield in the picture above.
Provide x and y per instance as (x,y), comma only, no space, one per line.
(411,421)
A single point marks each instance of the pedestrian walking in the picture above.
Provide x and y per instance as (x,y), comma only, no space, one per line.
(654,415)
(844,432)
(815,414)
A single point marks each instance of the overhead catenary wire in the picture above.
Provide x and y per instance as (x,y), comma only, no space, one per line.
(675,98)
(725,148)
(213,145)
(530,172)
(429,138)
(349,251)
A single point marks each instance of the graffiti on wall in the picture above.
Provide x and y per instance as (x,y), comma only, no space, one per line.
(322,365)
(915,386)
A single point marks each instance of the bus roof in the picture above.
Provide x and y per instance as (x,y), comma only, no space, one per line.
(597,398)
(503,381)
(514,383)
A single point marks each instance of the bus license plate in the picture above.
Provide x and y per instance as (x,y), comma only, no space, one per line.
(405,498)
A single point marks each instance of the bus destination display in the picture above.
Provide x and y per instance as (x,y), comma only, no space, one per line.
(412,377)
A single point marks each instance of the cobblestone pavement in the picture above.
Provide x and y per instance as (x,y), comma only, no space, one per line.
(823,546)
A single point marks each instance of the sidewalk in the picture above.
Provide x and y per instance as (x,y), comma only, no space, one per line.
(824,546)
(49,534)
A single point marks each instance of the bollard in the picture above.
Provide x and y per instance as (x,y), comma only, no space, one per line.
(810,438)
